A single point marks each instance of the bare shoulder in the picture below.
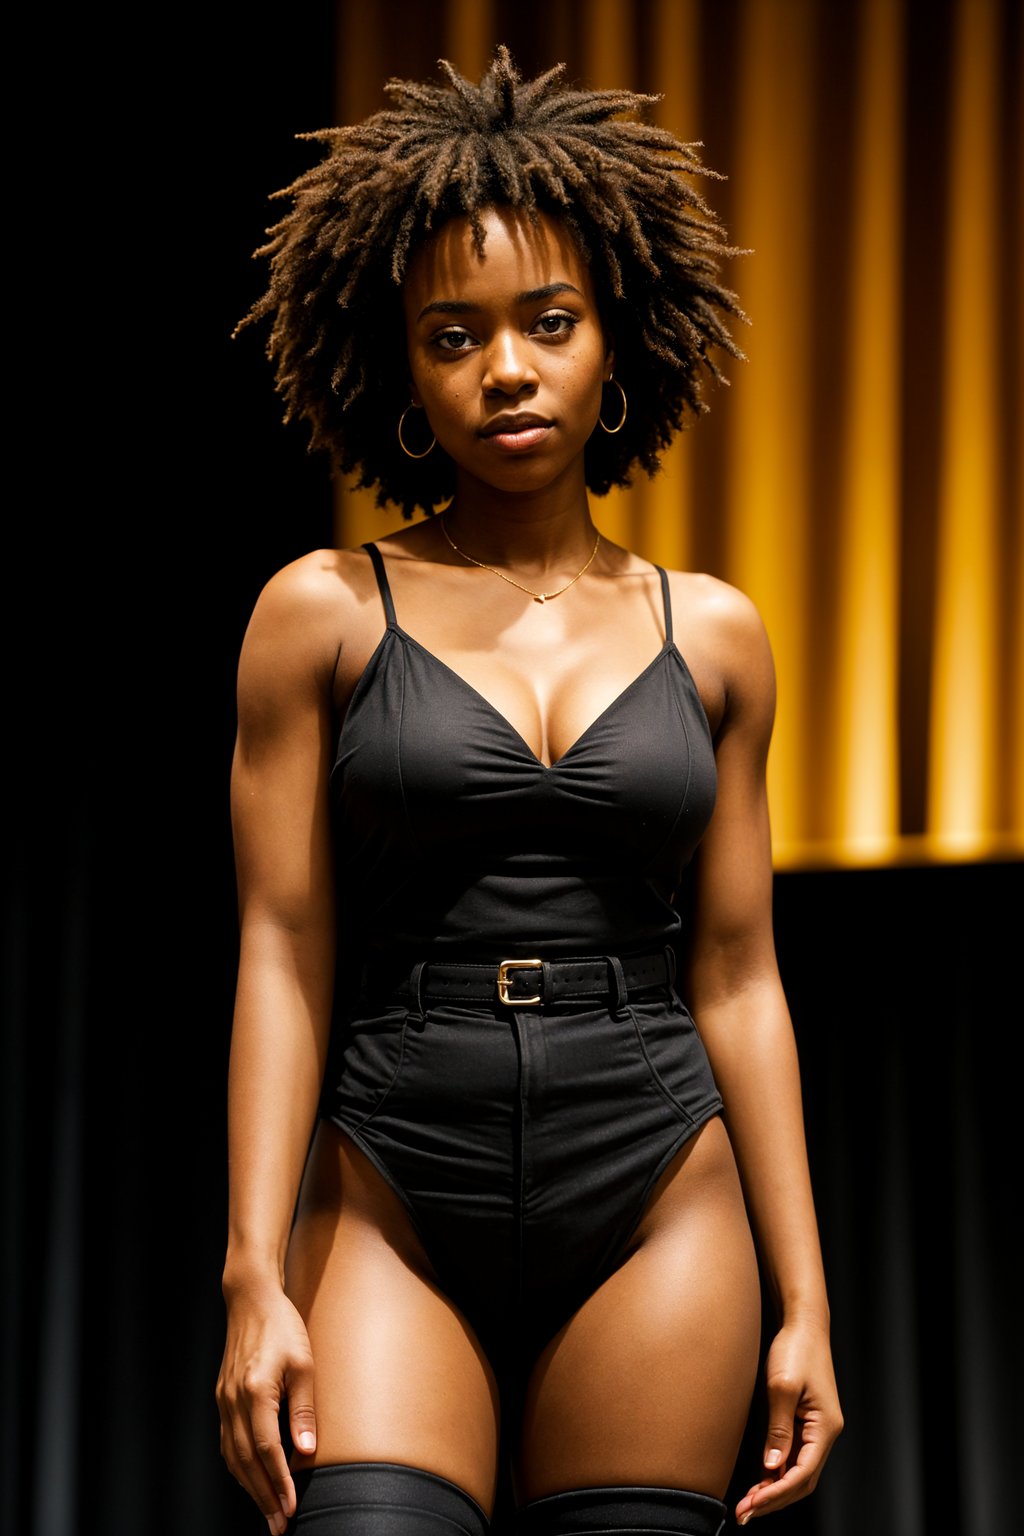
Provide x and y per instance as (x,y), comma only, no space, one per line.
(309,615)
(319,601)
(713,602)
(323,584)
(727,617)
(720,631)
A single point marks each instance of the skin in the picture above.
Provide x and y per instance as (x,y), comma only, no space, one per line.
(338,1313)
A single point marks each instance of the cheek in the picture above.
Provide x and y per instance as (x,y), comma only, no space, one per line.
(582,389)
(446,404)
(434,391)
(448,408)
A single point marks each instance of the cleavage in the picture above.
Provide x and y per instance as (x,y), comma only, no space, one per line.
(549,687)
(529,714)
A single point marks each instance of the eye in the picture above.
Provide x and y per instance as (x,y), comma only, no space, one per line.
(556,322)
(454,339)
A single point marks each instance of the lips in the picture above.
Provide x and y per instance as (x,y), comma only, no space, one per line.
(513,422)
(514,430)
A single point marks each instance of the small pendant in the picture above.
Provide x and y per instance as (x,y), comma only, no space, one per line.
(540,597)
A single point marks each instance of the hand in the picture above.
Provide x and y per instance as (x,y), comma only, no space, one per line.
(266,1358)
(804,1418)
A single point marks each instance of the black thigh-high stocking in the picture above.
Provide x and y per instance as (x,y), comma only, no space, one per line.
(588,1511)
(381,1498)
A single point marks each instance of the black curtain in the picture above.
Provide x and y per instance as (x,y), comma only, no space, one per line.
(165,492)
(903,987)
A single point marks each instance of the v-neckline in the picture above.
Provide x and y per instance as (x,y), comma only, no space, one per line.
(667,647)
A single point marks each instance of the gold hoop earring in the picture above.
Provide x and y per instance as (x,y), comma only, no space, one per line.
(401,421)
(612,430)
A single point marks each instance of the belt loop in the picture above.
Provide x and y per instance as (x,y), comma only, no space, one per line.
(416,987)
(670,965)
(617,987)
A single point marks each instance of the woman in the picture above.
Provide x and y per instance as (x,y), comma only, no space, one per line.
(489,1186)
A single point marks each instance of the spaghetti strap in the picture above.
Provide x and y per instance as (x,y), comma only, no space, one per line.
(668,603)
(382,582)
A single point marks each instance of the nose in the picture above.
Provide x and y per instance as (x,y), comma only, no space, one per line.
(509,364)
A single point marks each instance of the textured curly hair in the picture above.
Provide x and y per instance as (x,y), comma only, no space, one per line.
(620,184)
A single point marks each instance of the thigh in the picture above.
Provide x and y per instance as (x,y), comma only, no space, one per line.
(399,1375)
(650,1382)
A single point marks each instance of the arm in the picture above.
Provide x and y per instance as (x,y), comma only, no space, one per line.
(281,1019)
(740,1008)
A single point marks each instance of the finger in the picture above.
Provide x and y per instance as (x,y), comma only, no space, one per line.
(301,1412)
(765,1498)
(772,1494)
(247,1467)
(266,1433)
(783,1397)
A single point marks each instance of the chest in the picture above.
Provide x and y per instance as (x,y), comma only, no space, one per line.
(424,751)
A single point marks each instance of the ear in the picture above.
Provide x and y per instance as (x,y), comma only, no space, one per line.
(609,363)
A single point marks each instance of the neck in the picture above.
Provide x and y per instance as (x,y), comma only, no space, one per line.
(534,533)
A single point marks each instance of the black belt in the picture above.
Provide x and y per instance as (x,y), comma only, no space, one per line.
(533,982)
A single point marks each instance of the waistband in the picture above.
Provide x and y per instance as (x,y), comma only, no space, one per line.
(532,982)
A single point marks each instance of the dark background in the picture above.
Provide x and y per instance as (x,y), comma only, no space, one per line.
(167,492)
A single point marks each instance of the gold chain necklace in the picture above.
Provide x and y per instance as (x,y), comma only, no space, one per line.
(538,597)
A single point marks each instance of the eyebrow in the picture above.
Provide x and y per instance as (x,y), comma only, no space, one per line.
(528,296)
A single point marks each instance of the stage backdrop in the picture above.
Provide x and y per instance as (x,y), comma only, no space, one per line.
(861,477)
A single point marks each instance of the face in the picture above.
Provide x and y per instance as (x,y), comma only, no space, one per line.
(506,349)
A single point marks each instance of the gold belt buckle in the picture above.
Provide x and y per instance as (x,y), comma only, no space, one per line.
(504,966)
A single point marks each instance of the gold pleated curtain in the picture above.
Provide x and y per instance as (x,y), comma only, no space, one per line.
(862,477)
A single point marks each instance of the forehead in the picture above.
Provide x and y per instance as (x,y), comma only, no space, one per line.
(518,256)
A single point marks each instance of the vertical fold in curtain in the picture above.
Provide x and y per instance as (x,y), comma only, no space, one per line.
(767,500)
(968,676)
(860,708)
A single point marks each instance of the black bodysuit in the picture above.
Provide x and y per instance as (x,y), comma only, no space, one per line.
(524,1138)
